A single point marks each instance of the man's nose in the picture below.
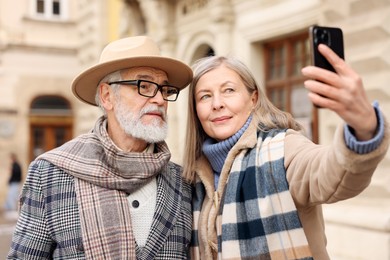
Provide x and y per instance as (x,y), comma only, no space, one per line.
(158,98)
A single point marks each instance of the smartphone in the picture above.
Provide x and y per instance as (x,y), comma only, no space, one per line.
(331,36)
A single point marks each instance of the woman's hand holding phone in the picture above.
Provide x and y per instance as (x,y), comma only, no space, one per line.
(343,92)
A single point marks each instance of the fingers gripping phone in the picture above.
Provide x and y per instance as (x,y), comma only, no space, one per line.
(330,36)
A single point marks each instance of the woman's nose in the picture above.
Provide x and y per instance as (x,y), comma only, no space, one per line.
(217,103)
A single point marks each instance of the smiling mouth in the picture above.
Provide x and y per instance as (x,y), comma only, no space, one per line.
(220,119)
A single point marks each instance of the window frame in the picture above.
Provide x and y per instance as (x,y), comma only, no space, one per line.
(48,10)
(49,120)
(289,80)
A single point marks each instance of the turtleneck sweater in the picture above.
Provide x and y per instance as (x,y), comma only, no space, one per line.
(216,152)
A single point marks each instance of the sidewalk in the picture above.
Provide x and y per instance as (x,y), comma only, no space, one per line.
(7,225)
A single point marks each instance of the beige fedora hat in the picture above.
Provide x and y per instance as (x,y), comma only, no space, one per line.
(138,51)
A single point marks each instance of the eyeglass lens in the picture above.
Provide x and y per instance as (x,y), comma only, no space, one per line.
(149,89)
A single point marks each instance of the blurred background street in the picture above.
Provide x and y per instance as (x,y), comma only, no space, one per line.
(7,225)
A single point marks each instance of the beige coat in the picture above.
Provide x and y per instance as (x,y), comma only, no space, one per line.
(317,174)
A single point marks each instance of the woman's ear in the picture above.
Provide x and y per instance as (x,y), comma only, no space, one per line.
(255,97)
(106,96)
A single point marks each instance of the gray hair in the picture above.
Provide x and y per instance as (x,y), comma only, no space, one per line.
(113,76)
(268,115)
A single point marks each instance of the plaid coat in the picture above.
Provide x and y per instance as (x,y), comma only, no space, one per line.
(49,224)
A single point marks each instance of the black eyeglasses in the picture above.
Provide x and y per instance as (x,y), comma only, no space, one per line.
(149,89)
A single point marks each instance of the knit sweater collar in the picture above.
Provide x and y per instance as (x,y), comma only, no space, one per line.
(216,152)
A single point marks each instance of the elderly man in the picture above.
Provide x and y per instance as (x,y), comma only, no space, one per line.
(112,193)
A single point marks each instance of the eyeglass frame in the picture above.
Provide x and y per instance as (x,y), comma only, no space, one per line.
(137,82)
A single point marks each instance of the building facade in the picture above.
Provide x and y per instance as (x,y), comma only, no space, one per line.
(45,43)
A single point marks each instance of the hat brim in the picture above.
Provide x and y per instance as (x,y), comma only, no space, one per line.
(85,84)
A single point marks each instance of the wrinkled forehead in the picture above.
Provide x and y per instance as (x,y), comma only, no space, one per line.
(147,73)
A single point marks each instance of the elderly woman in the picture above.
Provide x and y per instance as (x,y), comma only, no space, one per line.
(259,182)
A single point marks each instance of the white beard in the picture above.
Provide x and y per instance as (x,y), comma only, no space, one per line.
(132,125)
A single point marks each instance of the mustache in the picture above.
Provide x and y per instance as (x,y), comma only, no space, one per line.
(154,109)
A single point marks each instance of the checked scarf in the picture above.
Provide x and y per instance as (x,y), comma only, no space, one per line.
(104,176)
(257,217)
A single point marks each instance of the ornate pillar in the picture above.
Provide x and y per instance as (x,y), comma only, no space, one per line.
(160,23)
(132,19)
(222,18)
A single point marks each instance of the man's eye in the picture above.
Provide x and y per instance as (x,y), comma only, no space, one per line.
(171,91)
(147,87)
(143,86)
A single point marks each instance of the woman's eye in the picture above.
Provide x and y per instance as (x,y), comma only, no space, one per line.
(204,97)
(229,90)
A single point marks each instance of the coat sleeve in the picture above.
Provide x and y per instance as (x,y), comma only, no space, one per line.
(31,239)
(319,174)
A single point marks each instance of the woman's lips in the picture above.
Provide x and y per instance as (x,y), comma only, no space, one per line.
(220,119)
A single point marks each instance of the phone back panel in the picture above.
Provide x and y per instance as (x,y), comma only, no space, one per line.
(332,37)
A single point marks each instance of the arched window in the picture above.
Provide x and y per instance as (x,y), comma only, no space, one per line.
(51,124)
(50,105)
(202,51)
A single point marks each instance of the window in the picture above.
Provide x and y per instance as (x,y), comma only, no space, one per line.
(51,124)
(56,7)
(49,9)
(40,6)
(284,59)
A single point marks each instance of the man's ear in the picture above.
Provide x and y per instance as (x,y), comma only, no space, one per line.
(106,96)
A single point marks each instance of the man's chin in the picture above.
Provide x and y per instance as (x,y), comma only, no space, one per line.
(153,139)
(155,121)
(151,134)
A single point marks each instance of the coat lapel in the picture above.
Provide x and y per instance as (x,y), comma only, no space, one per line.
(167,211)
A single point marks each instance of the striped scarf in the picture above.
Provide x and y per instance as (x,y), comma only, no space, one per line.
(257,217)
(104,176)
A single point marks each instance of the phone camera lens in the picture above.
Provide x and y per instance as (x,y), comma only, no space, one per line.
(322,36)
